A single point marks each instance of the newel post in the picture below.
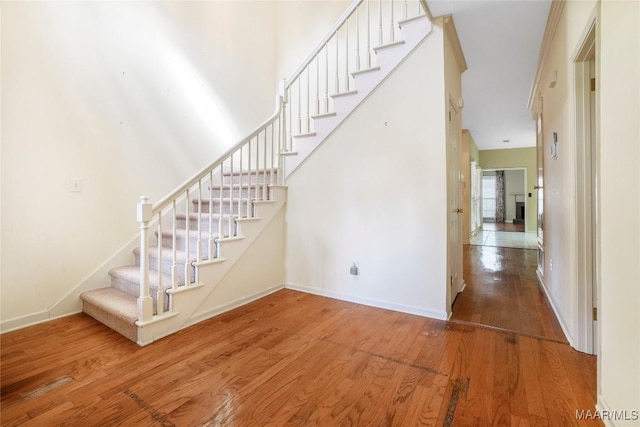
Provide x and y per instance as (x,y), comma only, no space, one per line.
(145,303)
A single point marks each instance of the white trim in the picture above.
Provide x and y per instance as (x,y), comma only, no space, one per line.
(601,406)
(387,305)
(555,12)
(230,306)
(30,320)
(563,326)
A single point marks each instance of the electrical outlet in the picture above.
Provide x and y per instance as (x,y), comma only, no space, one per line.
(354,271)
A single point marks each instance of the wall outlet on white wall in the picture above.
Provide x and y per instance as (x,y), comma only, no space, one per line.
(354,270)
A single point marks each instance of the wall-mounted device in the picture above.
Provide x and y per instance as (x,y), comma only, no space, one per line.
(554,146)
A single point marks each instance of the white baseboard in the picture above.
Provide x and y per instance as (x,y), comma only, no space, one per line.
(418,311)
(30,320)
(563,326)
(231,305)
(602,408)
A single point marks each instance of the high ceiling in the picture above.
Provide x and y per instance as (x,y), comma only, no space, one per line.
(501,43)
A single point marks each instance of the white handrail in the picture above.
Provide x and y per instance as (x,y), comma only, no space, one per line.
(346,15)
(165,201)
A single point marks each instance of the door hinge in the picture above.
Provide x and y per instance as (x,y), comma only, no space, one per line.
(593,85)
(595,313)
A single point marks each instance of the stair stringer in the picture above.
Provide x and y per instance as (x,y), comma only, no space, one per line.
(187,300)
(389,57)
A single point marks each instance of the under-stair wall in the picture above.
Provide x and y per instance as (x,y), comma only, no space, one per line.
(374,193)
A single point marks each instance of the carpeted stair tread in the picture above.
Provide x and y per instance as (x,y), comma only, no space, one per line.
(193,232)
(167,253)
(117,303)
(132,273)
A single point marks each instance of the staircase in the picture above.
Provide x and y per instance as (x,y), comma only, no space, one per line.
(190,239)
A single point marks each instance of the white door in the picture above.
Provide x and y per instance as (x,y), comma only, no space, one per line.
(454,233)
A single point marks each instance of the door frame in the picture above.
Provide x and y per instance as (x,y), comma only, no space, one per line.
(524,188)
(587,192)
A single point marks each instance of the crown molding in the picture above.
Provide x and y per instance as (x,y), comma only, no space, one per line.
(555,12)
(452,34)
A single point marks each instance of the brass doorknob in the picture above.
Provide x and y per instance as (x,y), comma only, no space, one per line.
(537,187)
(459,210)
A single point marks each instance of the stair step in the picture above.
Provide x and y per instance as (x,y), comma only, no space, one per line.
(204,220)
(388,46)
(324,115)
(365,70)
(343,94)
(181,238)
(246,190)
(127,279)
(229,206)
(261,176)
(305,135)
(167,261)
(116,309)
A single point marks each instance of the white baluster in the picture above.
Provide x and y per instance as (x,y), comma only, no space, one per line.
(187,263)
(290,105)
(337,89)
(240,197)
(257,186)
(299,106)
(326,78)
(264,166)
(271,169)
(199,223)
(391,24)
(346,55)
(358,39)
(308,103)
(368,35)
(317,84)
(145,303)
(160,291)
(174,248)
(220,205)
(211,239)
(249,158)
(229,230)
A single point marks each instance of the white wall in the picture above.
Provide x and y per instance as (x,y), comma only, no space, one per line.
(560,173)
(130,97)
(241,284)
(370,193)
(513,185)
(301,26)
(619,73)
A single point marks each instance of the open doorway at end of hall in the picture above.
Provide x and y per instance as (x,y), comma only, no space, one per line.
(503,200)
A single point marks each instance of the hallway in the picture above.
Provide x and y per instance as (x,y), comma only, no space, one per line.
(503,292)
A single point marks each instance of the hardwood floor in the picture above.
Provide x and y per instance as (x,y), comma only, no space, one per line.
(503,291)
(503,226)
(293,359)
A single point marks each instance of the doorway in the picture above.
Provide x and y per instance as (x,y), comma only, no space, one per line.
(454,231)
(587,169)
(503,199)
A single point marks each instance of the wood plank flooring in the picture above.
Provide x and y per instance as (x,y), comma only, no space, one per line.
(503,292)
(293,359)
